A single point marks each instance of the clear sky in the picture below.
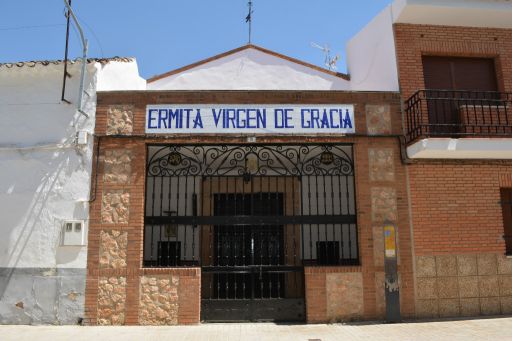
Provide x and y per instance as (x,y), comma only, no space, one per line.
(167,34)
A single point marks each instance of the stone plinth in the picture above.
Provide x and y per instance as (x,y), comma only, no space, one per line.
(111,300)
(158,303)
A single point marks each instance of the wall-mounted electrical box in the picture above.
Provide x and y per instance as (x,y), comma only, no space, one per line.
(82,138)
(73,233)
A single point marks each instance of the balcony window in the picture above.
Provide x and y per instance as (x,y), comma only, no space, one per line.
(460,100)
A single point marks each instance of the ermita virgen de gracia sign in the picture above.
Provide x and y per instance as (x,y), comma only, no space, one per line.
(251,119)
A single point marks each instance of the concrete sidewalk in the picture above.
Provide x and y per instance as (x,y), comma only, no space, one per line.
(466,330)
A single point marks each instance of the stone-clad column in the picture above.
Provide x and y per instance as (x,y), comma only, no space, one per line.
(115,213)
(112,228)
(383,193)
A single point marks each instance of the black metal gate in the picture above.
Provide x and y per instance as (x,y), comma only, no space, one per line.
(252,216)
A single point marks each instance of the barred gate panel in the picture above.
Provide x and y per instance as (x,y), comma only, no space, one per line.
(252,216)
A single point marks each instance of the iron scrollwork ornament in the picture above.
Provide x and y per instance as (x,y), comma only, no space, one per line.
(255,160)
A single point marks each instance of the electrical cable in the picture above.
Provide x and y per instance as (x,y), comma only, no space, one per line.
(93,34)
(29,27)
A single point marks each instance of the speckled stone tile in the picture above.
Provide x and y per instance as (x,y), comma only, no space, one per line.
(468,286)
(447,287)
(427,308)
(426,288)
(449,308)
(488,286)
(490,306)
(505,285)
(466,265)
(506,305)
(487,264)
(426,266)
(469,306)
(504,265)
(446,266)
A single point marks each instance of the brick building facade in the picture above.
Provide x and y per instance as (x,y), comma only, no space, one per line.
(461,267)
(118,283)
(430,154)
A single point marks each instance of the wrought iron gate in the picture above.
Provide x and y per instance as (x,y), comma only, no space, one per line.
(252,216)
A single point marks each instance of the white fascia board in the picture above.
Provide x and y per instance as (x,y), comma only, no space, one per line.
(468,13)
(463,148)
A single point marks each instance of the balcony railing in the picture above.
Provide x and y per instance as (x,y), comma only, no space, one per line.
(450,113)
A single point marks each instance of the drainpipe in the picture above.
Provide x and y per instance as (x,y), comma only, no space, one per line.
(84,59)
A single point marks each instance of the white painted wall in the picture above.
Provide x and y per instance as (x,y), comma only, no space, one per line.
(470,13)
(44,177)
(119,76)
(250,69)
(371,56)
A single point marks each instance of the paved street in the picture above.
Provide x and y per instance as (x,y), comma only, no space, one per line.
(481,329)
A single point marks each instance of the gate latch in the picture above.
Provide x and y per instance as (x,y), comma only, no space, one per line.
(261,275)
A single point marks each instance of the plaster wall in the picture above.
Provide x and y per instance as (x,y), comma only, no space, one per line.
(44,181)
(371,54)
(250,69)
(371,57)
(119,76)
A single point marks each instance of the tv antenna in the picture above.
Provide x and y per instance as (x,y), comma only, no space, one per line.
(248,19)
(329,61)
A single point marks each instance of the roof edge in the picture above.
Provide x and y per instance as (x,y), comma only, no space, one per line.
(34,63)
(242,48)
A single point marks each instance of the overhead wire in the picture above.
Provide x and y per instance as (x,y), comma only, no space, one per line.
(93,34)
(90,30)
(13,28)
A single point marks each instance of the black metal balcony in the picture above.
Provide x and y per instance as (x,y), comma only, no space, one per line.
(456,114)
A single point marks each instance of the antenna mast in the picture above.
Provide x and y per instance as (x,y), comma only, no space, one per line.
(329,61)
(248,19)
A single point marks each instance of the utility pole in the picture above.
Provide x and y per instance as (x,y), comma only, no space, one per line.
(66,74)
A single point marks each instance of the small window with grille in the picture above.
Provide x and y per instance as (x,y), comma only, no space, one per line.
(169,253)
(328,252)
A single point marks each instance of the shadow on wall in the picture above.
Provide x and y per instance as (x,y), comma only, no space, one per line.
(35,198)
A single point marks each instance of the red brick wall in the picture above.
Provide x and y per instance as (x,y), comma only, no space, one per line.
(456,206)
